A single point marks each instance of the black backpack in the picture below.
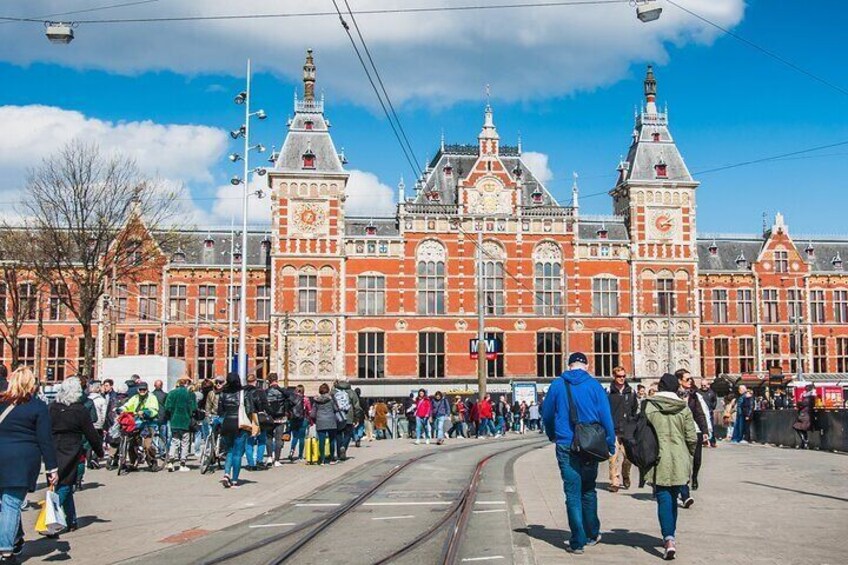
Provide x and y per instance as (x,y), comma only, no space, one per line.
(276,402)
(297,409)
(640,442)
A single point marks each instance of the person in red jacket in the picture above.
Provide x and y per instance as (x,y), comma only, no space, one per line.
(423,411)
(486,413)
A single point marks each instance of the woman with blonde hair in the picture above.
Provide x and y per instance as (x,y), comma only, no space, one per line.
(71,423)
(25,441)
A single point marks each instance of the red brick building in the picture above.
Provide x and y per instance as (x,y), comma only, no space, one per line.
(392,301)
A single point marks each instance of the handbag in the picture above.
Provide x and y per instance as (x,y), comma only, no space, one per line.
(54,516)
(244,423)
(590,439)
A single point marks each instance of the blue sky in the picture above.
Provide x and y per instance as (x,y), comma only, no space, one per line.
(728,103)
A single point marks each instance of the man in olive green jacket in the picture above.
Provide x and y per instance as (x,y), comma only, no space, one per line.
(180,406)
(675,427)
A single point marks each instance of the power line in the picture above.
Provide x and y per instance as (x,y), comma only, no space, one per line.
(762,50)
(86,10)
(422,10)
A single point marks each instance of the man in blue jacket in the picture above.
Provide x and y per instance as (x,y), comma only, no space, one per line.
(578,474)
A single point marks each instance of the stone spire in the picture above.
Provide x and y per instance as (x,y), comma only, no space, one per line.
(488,137)
(309,77)
(401,191)
(575,192)
(650,91)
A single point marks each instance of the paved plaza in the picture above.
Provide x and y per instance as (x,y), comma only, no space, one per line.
(756,504)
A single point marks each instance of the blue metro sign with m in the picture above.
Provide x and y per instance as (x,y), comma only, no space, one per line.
(494,347)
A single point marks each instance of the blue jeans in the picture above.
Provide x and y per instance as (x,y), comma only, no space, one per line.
(486,427)
(359,431)
(422,425)
(234,445)
(256,448)
(66,499)
(667,510)
(501,425)
(440,427)
(297,430)
(581,500)
(323,436)
(10,517)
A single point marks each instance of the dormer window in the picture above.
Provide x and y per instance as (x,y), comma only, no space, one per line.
(209,243)
(371,229)
(266,247)
(603,233)
(810,250)
(309,160)
(837,262)
(537,196)
(655,136)
(178,256)
(237,256)
(662,170)
(434,196)
(308,125)
(741,261)
(713,249)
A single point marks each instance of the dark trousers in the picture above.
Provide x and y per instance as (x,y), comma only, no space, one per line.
(696,459)
(276,436)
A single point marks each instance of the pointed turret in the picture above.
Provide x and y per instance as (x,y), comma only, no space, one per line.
(309,77)
(650,91)
(488,137)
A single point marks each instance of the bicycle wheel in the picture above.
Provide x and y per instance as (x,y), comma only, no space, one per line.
(206,456)
(123,449)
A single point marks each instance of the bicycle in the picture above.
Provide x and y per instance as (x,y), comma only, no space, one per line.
(211,455)
(133,443)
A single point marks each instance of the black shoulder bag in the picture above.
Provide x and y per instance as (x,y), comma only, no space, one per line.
(590,439)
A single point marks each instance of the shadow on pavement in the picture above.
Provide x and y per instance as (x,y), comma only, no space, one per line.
(45,546)
(807,493)
(559,538)
(642,496)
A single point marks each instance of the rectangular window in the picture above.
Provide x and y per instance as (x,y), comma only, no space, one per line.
(371,295)
(307,294)
(4,297)
(234,302)
(817,309)
(605,296)
(842,354)
(721,355)
(176,347)
(746,355)
(147,344)
(263,357)
(206,357)
(56,358)
(795,305)
(548,283)
(840,306)
(177,303)
(122,344)
(263,303)
(771,314)
(781,262)
(431,355)
(745,304)
(371,355)
(819,355)
(720,306)
(771,344)
(665,297)
(57,307)
(148,302)
(26,351)
(606,353)
(206,302)
(431,287)
(495,367)
(702,300)
(493,287)
(121,305)
(80,353)
(28,301)
(548,354)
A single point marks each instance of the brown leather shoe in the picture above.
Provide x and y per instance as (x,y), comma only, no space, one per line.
(626,484)
(613,488)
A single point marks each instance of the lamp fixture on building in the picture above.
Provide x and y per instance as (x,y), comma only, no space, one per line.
(60,33)
(647,10)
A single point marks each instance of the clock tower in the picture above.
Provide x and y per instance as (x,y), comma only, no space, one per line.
(307,184)
(655,193)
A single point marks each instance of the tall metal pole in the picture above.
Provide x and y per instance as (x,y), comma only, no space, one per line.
(799,336)
(481,322)
(286,350)
(242,364)
(669,340)
(230,300)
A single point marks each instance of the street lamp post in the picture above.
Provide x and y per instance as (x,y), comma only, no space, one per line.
(243,98)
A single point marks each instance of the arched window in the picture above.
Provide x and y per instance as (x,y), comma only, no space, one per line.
(431,278)
(547,273)
(493,278)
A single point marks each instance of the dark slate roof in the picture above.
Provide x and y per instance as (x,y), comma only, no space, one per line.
(644,153)
(299,140)
(462,159)
(193,245)
(587,230)
(824,252)
(386,227)
(728,249)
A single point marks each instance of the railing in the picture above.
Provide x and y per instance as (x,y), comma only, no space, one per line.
(547,211)
(438,209)
(613,219)
(314,106)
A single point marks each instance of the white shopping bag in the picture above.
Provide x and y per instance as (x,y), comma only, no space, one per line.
(55,520)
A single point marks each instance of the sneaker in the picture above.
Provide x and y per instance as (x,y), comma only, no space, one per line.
(694,484)
(225,480)
(417,442)
(170,467)
(427,442)
(688,502)
(184,469)
(334,461)
(18,548)
(280,463)
(594,541)
(670,551)
(626,483)
(613,488)
(235,486)
(571,550)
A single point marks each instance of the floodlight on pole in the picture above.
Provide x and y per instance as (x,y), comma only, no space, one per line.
(647,10)
(60,33)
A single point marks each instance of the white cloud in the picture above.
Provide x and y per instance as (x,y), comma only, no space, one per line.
(367,196)
(538,165)
(228,206)
(433,58)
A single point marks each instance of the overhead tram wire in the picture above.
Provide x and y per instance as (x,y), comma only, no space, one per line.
(422,10)
(82,11)
(762,50)
(410,159)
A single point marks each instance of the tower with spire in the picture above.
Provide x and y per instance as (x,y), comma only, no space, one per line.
(655,193)
(307,183)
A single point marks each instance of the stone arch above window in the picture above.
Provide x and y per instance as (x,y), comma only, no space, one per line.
(493,251)
(547,252)
(431,250)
